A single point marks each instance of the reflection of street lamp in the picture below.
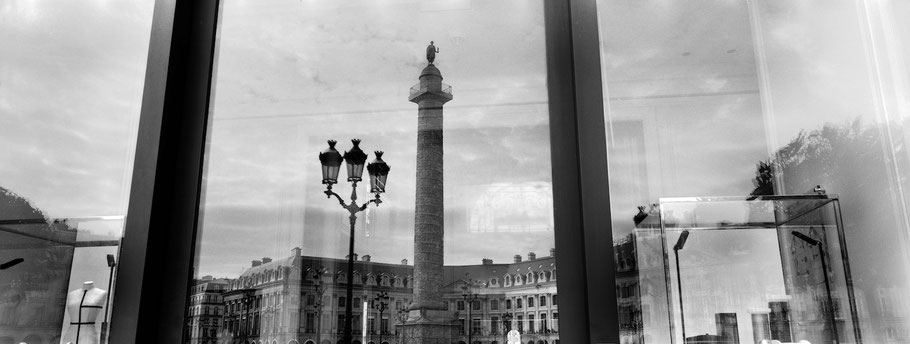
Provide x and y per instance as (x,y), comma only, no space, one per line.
(247,322)
(379,171)
(680,243)
(469,297)
(105,327)
(821,253)
(381,303)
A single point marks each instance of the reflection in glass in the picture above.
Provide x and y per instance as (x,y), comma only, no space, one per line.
(71,81)
(757,99)
(769,268)
(274,260)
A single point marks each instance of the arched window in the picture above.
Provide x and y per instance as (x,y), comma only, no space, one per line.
(357,278)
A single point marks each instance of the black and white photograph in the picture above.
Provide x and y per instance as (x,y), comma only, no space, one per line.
(437,171)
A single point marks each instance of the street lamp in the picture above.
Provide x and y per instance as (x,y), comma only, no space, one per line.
(469,299)
(680,243)
(105,326)
(320,289)
(506,325)
(402,317)
(355,158)
(381,302)
(821,253)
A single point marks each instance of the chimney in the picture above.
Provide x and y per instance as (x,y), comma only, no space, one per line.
(518,258)
(404,262)
(553,252)
(257,263)
(531,256)
(349,256)
(487,261)
(365,258)
(295,252)
(266,260)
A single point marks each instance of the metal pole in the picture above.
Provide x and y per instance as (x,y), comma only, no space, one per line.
(682,316)
(105,326)
(348,306)
(317,282)
(821,252)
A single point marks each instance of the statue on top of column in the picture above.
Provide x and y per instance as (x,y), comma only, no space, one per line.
(431,52)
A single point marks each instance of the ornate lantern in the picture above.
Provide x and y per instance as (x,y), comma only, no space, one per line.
(379,172)
(355,158)
(331,163)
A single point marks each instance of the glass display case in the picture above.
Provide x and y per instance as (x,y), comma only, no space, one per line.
(746,270)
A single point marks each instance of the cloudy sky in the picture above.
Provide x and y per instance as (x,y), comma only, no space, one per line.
(292,74)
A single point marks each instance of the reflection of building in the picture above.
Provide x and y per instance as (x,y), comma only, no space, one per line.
(280,301)
(523,290)
(628,290)
(204,313)
(301,299)
(727,327)
(779,319)
(32,292)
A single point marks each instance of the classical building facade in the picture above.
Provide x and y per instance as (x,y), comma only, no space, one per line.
(301,300)
(204,316)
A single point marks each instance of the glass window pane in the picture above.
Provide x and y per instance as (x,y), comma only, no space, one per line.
(455,95)
(71,81)
(758,169)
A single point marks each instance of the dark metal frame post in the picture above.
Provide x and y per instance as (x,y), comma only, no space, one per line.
(157,253)
(580,175)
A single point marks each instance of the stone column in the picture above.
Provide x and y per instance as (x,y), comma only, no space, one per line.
(428,321)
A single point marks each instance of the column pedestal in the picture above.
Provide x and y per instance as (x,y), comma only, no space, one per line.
(428,326)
